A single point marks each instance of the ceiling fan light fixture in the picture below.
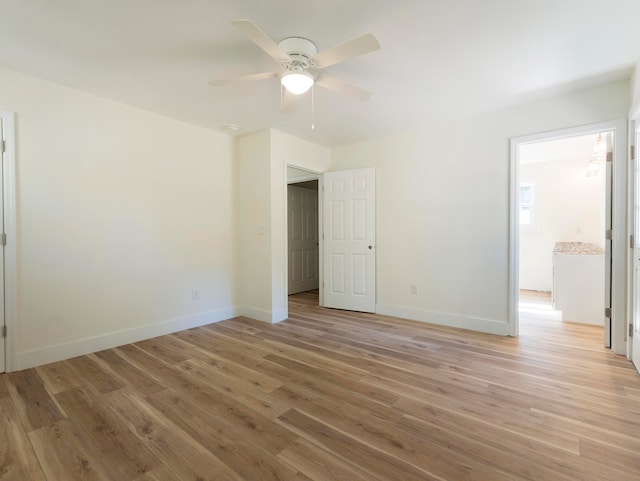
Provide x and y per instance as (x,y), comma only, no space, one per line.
(297,82)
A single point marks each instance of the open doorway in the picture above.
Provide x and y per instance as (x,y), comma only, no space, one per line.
(616,241)
(562,221)
(346,259)
(303,240)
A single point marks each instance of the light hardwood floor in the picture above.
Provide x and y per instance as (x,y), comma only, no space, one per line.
(329,395)
(534,299)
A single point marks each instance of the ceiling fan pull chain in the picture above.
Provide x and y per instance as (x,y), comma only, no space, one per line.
(313,107)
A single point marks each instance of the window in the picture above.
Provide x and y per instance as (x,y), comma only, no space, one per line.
(526,203)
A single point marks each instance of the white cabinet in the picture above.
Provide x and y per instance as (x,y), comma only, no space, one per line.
(578,282)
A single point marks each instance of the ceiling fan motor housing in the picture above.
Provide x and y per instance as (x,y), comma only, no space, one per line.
(301,51)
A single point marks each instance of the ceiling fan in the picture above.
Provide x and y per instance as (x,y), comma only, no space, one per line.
(301,63)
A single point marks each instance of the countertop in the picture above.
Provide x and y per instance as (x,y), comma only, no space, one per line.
(577,248)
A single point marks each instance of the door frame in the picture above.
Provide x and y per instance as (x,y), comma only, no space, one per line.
(10,257)
(294,183)
(619,251)
(312,175)
(633,125)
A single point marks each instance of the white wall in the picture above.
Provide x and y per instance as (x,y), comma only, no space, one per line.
(121,213)
(263,157)
(568,207)
(635,87)
(443,206)
(254,160)
(287,150)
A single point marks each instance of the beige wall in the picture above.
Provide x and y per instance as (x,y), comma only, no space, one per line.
(263,157)
(443,206)
(254,160)
(120,214)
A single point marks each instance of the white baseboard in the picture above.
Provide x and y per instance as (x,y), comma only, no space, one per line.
(256,313)
(79,347)
(489,326)
(264,315)
(279,316)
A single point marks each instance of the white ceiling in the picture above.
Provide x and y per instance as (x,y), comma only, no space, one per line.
(439,58)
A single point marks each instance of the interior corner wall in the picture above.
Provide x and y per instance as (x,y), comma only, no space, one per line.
(287,150)
(124,216)
(254,158)
(263,157)
(442,206)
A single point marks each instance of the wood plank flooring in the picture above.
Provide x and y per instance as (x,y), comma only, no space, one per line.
(329,395)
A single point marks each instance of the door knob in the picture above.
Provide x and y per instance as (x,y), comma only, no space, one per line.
(370,247)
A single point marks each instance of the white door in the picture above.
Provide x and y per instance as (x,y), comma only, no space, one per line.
(635,344)
(349,258)
(303,238)
(2,321)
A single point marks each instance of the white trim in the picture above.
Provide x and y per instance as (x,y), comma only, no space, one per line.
(313,175)
(279,316)
(514,237)
(10,255)
(489,326)
(631,223)
(321,239)
(264,315)
(79,347)
(305,178)
(634,112)
(619,220)
(634,120)
(256,313)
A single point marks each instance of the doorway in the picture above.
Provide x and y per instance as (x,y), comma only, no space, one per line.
(302,236)
(303,231)
(346,237)
(614,255)
(562,216)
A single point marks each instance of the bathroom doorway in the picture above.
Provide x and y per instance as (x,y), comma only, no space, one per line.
(562,225)
(579,239)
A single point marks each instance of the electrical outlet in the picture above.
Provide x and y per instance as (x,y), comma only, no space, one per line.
(195,294)
(414,289)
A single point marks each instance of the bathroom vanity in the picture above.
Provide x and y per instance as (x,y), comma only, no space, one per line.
(578,282)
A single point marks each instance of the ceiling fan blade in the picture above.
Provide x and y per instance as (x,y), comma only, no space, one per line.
(244,78)
(353,48)
(341,87)
(289,102)
(261,39)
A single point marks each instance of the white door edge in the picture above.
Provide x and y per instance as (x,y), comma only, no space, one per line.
(10,257)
